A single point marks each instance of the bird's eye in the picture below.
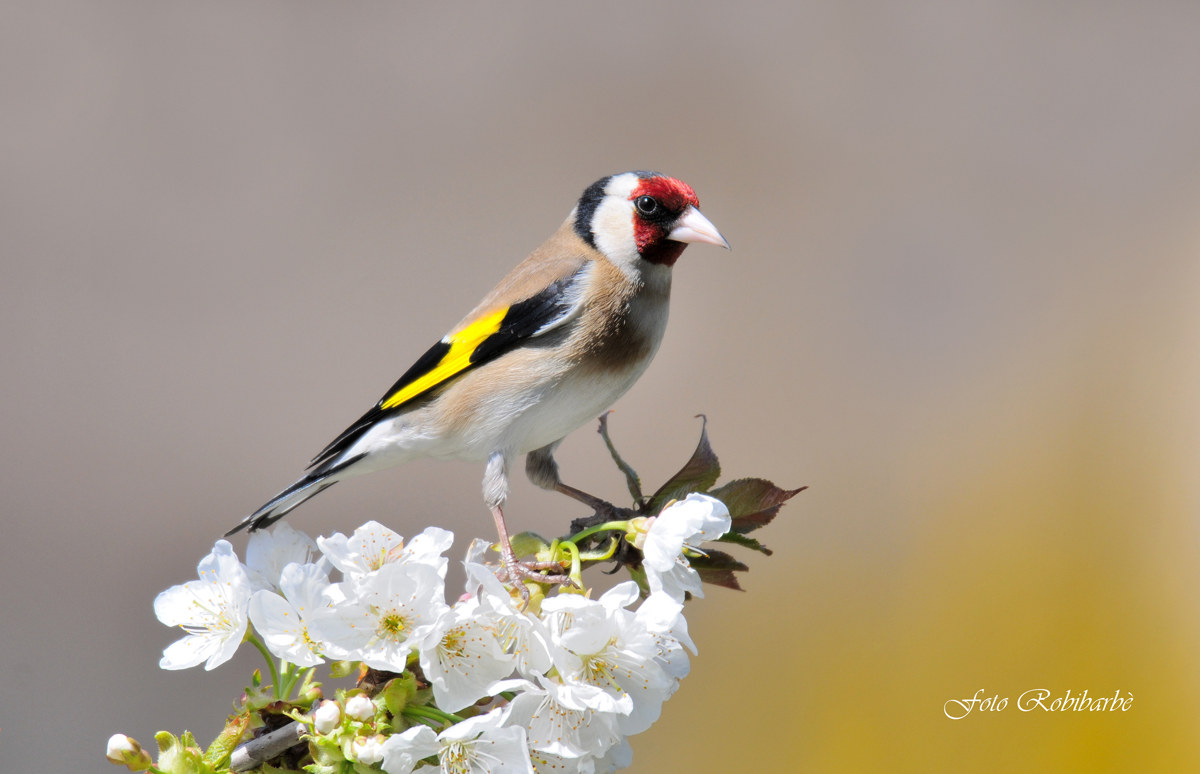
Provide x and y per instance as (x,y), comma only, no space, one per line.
(647,205)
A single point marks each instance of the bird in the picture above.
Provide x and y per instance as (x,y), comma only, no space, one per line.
(565,334)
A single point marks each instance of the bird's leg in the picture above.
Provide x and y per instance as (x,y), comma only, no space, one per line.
(517,570)
(591,501)
(543,472)
(495,490)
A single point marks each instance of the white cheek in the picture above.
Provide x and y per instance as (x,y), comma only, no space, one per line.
(612,226)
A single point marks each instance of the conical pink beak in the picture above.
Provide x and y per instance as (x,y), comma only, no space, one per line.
(694,227)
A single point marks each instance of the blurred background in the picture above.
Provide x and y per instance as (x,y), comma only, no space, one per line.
(961,307)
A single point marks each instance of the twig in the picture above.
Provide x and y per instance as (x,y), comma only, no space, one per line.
(258,751)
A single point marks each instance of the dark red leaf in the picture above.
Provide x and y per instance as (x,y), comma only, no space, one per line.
(752,502)
(700,472)
(724,578)
(716,560)
(744,541)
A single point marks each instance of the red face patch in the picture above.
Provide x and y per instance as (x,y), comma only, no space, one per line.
(675,194)
(650,231)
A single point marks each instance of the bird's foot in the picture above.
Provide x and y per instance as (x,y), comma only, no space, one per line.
(604,512)
(516,573)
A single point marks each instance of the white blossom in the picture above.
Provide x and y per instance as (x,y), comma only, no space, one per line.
(212,610)
(269,551)
(549,763)
(373,545)
(385,614)
(282,621)
(663,618)
(428,547)
(519,631)
(565,720)
(478,745)
(403,752)
(583,675)
(619,756)
(682,525)
(600,643)
(370,547)
(461,656)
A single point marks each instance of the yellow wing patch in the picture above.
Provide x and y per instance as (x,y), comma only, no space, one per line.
(456,359)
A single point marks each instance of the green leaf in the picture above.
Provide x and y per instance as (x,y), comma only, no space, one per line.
(700,472)
(529,543)
(340,669)
(638,574)
(310,689)
(180,756)
(257,695)
(166,741)
(752,502)
(217,754)
(398,692)
(632,480)
(744,541)
(326,755)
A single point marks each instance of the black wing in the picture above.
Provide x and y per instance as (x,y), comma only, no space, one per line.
(480,341)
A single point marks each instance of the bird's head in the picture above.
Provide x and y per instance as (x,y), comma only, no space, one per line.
(642,216)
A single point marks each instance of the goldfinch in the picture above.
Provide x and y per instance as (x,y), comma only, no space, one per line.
(564,335)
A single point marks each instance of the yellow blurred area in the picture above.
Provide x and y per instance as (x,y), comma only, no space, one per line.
(1051,545)
(961,307)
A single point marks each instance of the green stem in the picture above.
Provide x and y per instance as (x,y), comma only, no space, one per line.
(292,675)
(602,556)
(302,676)
(618,526)
(256,642)
(572,550)
(425,712)
(287,676)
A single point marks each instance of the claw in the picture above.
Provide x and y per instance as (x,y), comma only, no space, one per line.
(515,572)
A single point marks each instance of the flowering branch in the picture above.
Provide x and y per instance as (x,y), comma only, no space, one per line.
(535,678)
(256,752)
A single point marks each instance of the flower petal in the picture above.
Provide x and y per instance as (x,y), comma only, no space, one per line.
(402,752)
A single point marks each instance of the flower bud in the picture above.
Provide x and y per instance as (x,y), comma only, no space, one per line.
(638,527)
(525,543)
(309,693)
(124,751)
(360,708)
(368,750)
(327,717)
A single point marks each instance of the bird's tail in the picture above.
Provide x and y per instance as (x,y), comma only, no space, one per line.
(309,486)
